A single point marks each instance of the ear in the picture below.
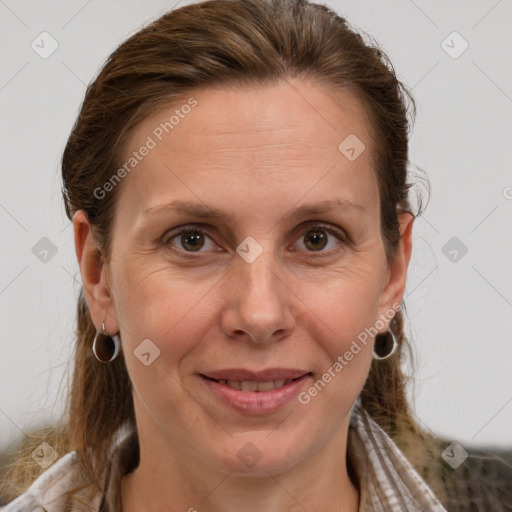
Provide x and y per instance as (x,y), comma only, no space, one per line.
(394,285)
(94,273)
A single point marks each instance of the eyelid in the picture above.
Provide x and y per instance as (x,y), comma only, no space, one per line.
(340,234)
(186,228)
(311,225)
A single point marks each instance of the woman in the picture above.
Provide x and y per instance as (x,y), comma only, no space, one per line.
(237,184)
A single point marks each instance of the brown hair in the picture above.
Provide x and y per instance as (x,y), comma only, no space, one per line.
(227,43)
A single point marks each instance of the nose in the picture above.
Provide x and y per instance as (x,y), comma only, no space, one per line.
(258,302)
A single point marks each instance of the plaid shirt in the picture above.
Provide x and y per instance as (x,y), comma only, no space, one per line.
(387,481)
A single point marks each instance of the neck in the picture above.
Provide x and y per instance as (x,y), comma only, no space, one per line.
(174,483)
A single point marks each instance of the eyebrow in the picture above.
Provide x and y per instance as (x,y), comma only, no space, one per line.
(204,212)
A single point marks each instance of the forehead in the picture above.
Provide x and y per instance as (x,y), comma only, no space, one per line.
(280,140)
(291,111)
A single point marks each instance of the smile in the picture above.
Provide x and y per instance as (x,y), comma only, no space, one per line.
(257,396)
(251,385)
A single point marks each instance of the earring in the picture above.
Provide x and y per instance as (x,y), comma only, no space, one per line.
(107,350)
(385,345)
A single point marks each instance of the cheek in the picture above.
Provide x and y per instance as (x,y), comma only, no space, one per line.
(157,315)
(158,333)
(346,353)
(341,314)
(345,307)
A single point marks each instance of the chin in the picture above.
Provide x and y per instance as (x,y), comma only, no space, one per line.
(254,454)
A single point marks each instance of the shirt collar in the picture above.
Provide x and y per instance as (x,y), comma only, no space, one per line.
(125,458)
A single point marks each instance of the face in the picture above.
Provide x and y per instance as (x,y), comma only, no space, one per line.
(222,264)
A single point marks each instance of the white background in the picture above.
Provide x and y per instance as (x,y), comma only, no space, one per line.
(460,312)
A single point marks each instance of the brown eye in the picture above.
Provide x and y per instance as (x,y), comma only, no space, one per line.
(189,239)
(316,240)
(318,237)
(192,240)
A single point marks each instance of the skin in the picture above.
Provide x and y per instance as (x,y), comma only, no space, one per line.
(258,153)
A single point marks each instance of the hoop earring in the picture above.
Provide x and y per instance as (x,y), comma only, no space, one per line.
(385,345)
(108,349)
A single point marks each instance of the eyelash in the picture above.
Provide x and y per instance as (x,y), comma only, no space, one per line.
(193,229)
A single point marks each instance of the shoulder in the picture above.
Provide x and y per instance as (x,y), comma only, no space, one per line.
(50,491)
(481,478)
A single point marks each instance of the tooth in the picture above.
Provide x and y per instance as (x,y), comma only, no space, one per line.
(279,383)
(249,386)
(235,384)
(222,381)
(287,381)
(265,386)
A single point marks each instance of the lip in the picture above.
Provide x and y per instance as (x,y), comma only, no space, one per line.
(256,402)
(257,376)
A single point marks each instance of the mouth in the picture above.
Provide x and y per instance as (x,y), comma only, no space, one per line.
(250,392)
(252,385)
